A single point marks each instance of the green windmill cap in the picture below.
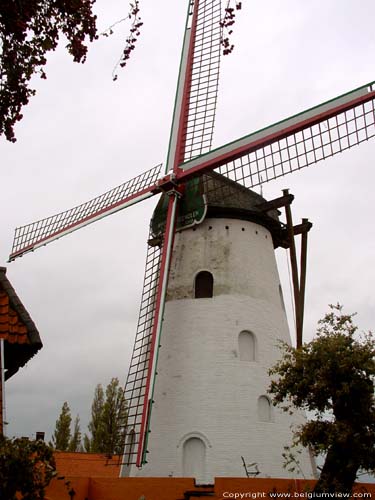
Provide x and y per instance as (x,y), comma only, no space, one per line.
(213,195)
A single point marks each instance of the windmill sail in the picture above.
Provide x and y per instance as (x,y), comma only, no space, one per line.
(294,143)
(140,383)
(32,236)
(197,87)
(204,81)
(191,135)
(136,383)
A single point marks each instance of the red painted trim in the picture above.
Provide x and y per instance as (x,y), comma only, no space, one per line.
(183,175)
(155,187)
(181,139)
(163,271)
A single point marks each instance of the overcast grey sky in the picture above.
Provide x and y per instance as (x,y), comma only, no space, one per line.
(83,134)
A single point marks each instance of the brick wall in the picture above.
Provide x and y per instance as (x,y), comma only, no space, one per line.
(97,488)
(86,464)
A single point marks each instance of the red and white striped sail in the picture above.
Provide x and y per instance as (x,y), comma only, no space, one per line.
(32,236)
(136,383)
(197,87)
(293,143)
(200,111)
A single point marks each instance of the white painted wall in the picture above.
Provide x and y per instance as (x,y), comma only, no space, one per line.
(204,389)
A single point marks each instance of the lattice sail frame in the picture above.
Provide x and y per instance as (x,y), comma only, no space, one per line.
(294,143)
(32,236)
(303,148)
(204,82)
(136,382)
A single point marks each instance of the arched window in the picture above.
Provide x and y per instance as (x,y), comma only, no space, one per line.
(204,285)
(247,346)
(264,409)
(194,458)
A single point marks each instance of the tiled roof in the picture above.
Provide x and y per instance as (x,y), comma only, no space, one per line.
(12,328)
(21,336)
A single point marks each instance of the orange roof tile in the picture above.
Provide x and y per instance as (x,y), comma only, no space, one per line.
(12,327)
(21,336)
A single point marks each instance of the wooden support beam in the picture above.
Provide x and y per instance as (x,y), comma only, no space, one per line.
(293,262)
(303,276)
(297,229)
(282,201)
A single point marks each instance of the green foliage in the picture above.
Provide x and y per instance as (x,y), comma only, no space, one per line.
(75,441)
(131,39)
(63,439)
(108,419)
(227,23)
(291,459)
(114,418)
(333,377)
(62,434)
(26,467)
(29,29)
(93,444)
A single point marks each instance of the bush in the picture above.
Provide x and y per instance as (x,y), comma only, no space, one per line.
(26,467)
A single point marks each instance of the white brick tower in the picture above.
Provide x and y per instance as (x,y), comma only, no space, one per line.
(223,318)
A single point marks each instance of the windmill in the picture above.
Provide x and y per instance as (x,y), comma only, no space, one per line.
(282,148)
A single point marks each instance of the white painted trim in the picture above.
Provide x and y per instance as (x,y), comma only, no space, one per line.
(194,434)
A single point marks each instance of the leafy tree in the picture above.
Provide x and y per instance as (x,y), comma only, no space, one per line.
(108,419)
(332,376)
(93,444)
(26,467)
(62,434)
(75,441)
(63,439)
(114,418)
(29,29)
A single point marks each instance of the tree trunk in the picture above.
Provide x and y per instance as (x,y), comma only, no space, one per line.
(339,471)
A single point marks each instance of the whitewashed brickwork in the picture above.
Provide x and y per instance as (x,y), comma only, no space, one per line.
(203,389)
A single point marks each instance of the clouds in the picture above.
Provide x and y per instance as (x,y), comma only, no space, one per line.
(83,134)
